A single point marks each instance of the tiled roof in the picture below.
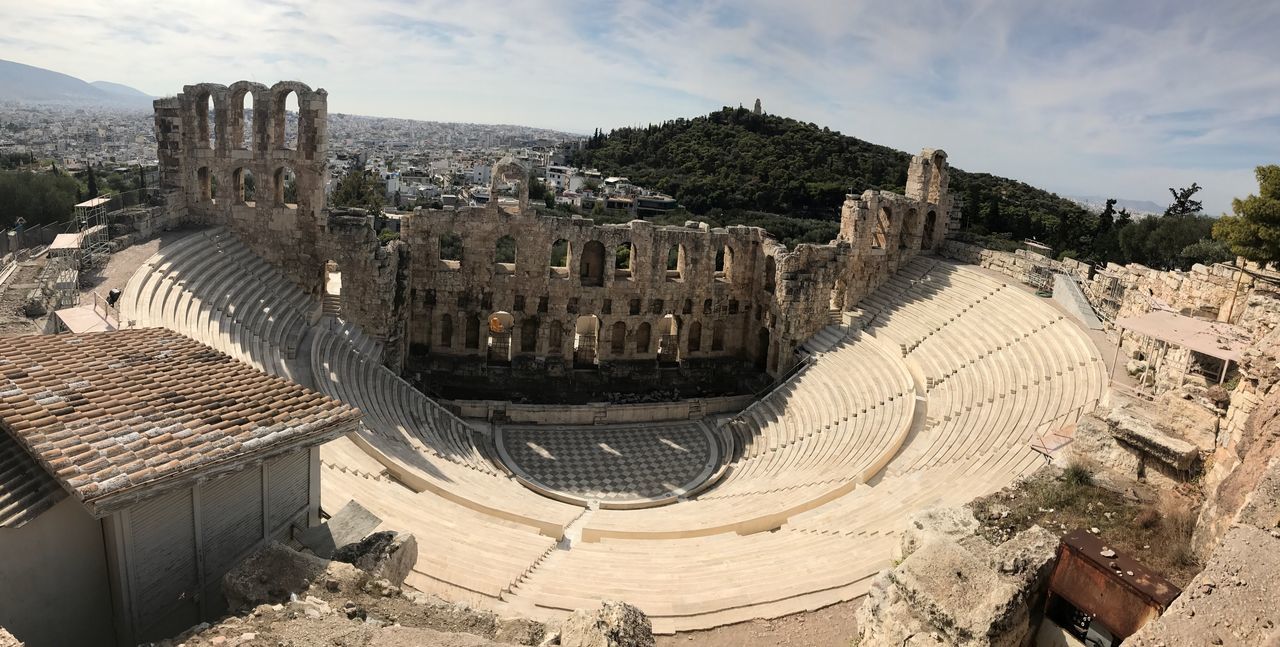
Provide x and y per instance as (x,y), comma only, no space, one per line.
(110,411)
(26,490)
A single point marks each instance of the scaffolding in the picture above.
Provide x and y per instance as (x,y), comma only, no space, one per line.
(91,222)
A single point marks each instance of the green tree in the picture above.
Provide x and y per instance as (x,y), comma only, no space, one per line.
(358,189)
(1182,204)
(1254,230)
(93,184)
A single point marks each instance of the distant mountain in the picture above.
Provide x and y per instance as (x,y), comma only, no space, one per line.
(1096,204)
(121,90)
(30,84)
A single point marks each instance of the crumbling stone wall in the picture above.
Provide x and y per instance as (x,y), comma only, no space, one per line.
(758,307)
(205,171)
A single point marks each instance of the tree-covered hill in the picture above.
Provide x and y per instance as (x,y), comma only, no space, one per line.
(736,159)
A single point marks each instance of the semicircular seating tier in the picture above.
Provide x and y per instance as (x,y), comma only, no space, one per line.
(934,397)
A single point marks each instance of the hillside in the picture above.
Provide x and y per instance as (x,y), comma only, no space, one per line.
(734,159)
(30,84)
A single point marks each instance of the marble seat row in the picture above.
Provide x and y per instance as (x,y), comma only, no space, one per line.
(211,287)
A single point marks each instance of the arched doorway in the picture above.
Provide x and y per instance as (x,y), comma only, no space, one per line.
(762,349)
(930,222)
(618,339)
(669,340)
(586,336)
(591,268)
(499,346)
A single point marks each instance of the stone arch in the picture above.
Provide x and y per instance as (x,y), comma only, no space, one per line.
(770,273)
(939,162)
(669,339)
(717,336)
(706,306)
(688,307)
(241,131)
(204,113)
(930,224)
(504,253)
(618,338)
(279,117)
(643,335)
(243,186)
(472,338)
(560,258)
(509,180)
(204,183)
(555,338)
(285,183)
(498,343)
(695,337)
(446,331)
(884,222)
(676,260)
(450,248)
(762,349)
(586,341)
(910,225)
(529,335)
(724,263)
(624,259)
(591,265)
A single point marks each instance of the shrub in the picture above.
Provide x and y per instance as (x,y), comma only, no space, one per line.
(1078,473)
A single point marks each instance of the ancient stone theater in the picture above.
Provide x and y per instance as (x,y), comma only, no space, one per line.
(829,390)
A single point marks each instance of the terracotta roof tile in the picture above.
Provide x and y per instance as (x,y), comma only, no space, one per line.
(112,410)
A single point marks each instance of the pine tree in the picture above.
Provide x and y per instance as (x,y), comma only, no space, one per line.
(93,184)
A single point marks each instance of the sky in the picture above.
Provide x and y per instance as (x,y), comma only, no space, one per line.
(1114,98)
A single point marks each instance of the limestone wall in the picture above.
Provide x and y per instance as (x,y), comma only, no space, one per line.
(673,301)
(598,413)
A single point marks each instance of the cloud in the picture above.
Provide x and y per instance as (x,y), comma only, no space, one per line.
(1091,97)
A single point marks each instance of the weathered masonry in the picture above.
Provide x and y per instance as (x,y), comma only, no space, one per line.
(501,285)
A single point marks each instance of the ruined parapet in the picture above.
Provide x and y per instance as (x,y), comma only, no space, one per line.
(266,186)
(375,279)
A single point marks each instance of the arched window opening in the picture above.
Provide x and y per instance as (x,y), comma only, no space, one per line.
(724,264)
(618,338)
(451,250)
(206,123)
(688,307)
(909,226)
(286,186)
(529,335)
(770,272)
(555,338)
(204,180)
(762,349)
(930,223)
(706,306)
(717,336)
(499,343)
(504,254)
(287,120)
(473,332)
(675,263)
(695,337)
(240,128)
(669,340)
(586,336)
(560,259)
(643,332)
(884,220)
(622,261)
(591,267)
(446,331)
(245,187)
(773,358)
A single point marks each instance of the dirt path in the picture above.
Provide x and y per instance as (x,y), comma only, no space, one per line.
(831,626)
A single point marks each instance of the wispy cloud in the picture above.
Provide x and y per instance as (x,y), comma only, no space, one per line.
(1088,97)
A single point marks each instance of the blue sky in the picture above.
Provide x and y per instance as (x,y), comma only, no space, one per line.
(1105,98)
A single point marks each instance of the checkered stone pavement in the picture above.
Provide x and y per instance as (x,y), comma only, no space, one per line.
(611,464)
